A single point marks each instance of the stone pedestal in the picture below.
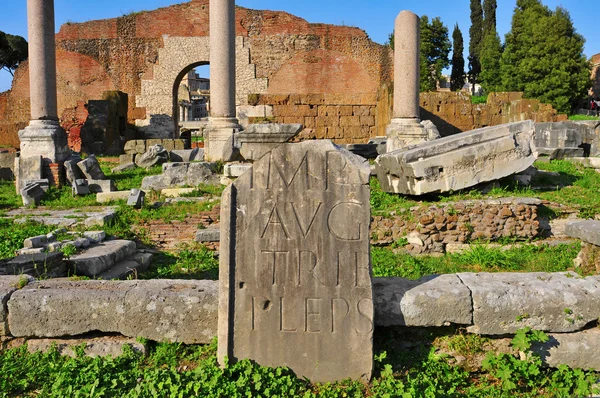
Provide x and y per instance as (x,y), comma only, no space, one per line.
(402,132)
(219,143)
(44,138)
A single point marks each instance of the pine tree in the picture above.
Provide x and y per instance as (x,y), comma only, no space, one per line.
(544,57)
(475,39)
(457,78)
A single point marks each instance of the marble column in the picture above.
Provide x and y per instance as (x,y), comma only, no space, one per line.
(405,128)
(43,136)
(222,124)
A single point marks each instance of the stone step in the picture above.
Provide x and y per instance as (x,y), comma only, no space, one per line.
(101,257)
(133,265)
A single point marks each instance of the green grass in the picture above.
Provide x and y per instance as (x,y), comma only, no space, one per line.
(583,117)
(479,99)
(191,261)
(173,370)
(480,258)
(12,235)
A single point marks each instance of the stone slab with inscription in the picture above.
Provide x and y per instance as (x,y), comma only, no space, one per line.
(295,270)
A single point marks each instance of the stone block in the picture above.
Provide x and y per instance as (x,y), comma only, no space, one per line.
(176,192)
(37,265)
(105,197)
(208,235)
(560,139)
(126,158)
(437,300)
(303,212)
(553,302)
(8,285)
(32,193)
(585,230)
(95,236)
(258,139)
(179,144)
(155,155)
(186,155)
(159,310)
(234,170)
(72,170)
(592,163)
(96,186)
(35,241)
(7,166)
(168,144)
(123,167)
(122,270)
(200,173)
(100,257)
(91,168)
(27,169)
(458,161)
(136,198)
(80,187)
(577,350)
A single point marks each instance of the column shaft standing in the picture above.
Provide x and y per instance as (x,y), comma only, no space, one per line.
(407,57)
(42,59)
(222,58)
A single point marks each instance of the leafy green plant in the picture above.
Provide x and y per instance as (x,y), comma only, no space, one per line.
(68,250)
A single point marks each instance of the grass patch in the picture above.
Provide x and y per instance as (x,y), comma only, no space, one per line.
(192,261)
(12,235)
(583,117)
(480,258)
(479,99)
(175,370)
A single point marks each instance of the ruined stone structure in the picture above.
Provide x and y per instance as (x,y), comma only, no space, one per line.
(145,55)
(595,90)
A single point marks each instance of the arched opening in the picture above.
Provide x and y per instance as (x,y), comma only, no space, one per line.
(191,97)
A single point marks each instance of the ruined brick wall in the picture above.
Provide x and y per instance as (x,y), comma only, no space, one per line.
(453,112)
(124,54)
(595,90)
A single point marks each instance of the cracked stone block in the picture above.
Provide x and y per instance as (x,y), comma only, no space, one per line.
(91,168)
(32,193)
(585,230)
(80,187)
(136,198)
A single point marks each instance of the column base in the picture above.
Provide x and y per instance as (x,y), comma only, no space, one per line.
(44,138)
(403,132)
(219,144)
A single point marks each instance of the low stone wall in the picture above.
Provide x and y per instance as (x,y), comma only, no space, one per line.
(187,311)
(137,147)
(430,228)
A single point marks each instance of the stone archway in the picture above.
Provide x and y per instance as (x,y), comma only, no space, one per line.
(178,56)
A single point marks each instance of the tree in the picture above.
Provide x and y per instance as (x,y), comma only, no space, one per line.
(457,77)
(13,51)
(435,48)
(491,50)
(544,58)
(475,40)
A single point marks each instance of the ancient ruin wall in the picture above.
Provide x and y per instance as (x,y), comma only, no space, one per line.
(595,90)
(125,54)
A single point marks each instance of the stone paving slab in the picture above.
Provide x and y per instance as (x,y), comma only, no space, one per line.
(585,230)
(100,257)
(88,216)
(159,310)
(430,301)
(554,302)
(8,285)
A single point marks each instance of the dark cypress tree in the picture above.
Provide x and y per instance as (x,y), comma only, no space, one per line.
(489,16)
(457,78)
(491,50)
(475,39)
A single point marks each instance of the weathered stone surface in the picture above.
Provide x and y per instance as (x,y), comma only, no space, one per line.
(179,174)
(27,169)
(585,230)
(234,170)
(35,241)
(91,168)
(9,284)
(172,310)
(7,166)
(72,171)
(559,140)
(554,302)
(208,235)
(458,161)
(101,257)
(96,186)
(187,155)
(577,350)
(32,193)
(592,163)
(133,147)
(155,155)
(95,236)
(176,192)
(295,264)
(367,151)
(80,187)
(122,270)
(258,139)
(136,198)
(126,159)
(92,346)
(435,300)
(105,197)
(123,167)
(36,265)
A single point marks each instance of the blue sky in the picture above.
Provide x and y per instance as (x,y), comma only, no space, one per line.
(376,17)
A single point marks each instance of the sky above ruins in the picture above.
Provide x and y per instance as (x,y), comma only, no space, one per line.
(376,17)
